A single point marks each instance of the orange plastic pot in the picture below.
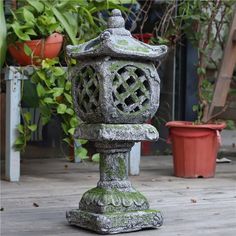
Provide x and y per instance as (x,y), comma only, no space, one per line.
(41,49)
(194,148)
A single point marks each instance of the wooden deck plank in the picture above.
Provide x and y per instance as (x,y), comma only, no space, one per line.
(57,189)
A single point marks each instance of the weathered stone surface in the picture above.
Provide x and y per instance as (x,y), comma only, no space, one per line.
(114,192)
(115,222)
(103,200)
(118,132)
(115,88)
(108,90)
(117,42)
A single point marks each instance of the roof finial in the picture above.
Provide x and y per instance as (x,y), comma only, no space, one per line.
(116,20)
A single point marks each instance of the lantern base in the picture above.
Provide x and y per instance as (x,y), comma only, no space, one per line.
(117,222)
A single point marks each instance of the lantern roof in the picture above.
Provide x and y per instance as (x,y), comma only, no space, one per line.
(117,42)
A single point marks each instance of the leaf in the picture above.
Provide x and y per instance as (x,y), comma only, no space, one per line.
(195,107)
(81,152)
(96,157)
(19,141)
(61,109)
(20,34)
(27,117)
(201,71)
(57,92)
(57,71)
(68,85)
(45,119)
(20,128)
(82,141)
(65,24)
(89,16)
(37,5)
(67,140)
(69,111)
(68,97)
(74,122)
(32,127)
(29,17)
(35,204)
(31,32)
(40,90)
(27,50)
(64,127)
(41,75)
(47,63)
(3,35)
(71,131)
(48,100)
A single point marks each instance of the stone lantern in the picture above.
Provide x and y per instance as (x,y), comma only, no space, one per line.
(115,90)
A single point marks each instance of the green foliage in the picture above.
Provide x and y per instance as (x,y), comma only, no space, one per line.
(77,19)
(54,92)
(204,24)
(25,131)
(33,20)
(3,34)
(230,124)
(198,108)
(54,98)
(96,157)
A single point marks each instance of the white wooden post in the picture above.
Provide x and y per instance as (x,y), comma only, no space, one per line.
(13,97)
(134,159)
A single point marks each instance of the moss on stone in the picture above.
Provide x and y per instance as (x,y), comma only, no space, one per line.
(104,168)
(134,48)
(122,167)
(113,199)
(115,65)
(122,42)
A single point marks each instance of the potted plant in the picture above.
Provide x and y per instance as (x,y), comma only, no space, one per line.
(195,144)
(33,34)
(78,21)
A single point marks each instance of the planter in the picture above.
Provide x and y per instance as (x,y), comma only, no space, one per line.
(41,49)
(194,148)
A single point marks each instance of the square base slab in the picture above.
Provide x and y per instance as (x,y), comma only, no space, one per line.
(118,222)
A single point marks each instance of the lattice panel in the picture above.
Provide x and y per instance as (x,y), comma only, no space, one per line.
(131,90)
(87,90)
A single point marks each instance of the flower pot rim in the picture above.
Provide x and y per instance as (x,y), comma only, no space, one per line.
(189,124)
(36,41)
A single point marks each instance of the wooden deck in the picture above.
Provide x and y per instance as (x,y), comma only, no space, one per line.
(36,205)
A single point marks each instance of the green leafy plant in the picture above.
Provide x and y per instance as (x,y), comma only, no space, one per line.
(230,124)
(79,21)
(3,35)
(25,131)
(204,24)
(32,21)
(54,97)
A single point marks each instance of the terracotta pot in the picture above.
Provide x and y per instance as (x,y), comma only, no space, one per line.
(194,148)
(48,48)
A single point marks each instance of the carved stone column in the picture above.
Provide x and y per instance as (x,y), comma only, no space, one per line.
(115,90)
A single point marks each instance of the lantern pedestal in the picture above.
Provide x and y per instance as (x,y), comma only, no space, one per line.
(114,206)
(116,222)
